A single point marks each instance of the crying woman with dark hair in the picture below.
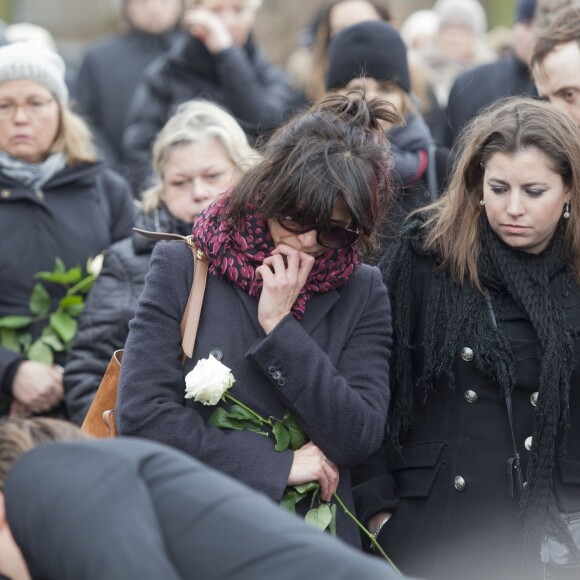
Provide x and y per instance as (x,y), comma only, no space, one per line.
(303,325)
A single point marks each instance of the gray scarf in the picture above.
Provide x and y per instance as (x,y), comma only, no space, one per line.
(33,175)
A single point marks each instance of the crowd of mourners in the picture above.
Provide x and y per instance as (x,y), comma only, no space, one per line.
(388,344)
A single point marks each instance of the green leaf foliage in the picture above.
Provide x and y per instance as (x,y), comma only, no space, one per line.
(15,321)
(40,352)
(333,520)
(297,437)
(282,436)
(40,302)
(72,305)
(57,328)
(320,517)
(58,275)
(224,420)
(315,495)
(307,487)
(238,412)
(289,501)
(63,325)
(25,340)
(9,339)
(51,340)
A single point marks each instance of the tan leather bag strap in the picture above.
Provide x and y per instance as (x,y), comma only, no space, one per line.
(190,319)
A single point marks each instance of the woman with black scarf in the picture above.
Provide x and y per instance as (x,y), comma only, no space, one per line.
(483,444)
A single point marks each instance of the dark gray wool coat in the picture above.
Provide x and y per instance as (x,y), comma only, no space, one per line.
(159,515)
(330,369)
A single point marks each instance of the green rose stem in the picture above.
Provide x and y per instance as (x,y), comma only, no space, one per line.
(366,532)
(80,285)
(227,395)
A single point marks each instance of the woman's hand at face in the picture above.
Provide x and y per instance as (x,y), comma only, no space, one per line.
(310,464)
(284,274)
(37,386)
(208,28)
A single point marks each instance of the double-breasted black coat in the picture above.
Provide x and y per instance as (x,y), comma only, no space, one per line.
(453,514)
(330,369)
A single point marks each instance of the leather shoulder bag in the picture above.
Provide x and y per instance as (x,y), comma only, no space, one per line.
(100,419)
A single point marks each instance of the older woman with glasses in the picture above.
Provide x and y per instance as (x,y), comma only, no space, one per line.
(289,308)
(56,201)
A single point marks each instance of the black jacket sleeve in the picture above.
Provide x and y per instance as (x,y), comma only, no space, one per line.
(103,329)
(149,110)
(121,204)
(257,92)
(87,97)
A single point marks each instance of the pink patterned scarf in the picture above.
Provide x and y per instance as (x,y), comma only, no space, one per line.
(235,253)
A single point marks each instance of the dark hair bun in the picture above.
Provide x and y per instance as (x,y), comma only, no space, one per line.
(358,109)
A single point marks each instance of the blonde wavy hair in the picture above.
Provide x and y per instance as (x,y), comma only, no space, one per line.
(17,436)
(513,125)
(74,139)
(193,121)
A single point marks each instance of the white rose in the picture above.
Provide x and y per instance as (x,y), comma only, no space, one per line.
(94,265)
(208,381)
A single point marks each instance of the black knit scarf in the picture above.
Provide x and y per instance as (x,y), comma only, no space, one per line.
(461,311)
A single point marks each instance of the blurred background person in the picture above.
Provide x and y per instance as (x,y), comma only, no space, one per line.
(418,32)
(548,10)
(459,43)
(112,68)
(217,60)
(372,57)
(556,63)
(508,76)
(28,32)
(330,20)
(200,153)
(56,201)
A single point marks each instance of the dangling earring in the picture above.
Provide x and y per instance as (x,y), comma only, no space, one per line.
(482,202)
(566,215)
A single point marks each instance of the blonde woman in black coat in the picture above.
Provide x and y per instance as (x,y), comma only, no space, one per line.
(56,200)
(485,294)
(200,153)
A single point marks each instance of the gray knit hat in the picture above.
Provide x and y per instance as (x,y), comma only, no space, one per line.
(33,61)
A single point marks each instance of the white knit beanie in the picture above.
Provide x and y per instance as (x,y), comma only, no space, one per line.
(33,61)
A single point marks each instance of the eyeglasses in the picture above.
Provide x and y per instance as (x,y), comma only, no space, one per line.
(33,108)
(333,237)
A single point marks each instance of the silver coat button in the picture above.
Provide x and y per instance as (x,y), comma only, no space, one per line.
(217,353)
(467,354)
(528,443)
(471,396)
(534,398)
(459,483)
